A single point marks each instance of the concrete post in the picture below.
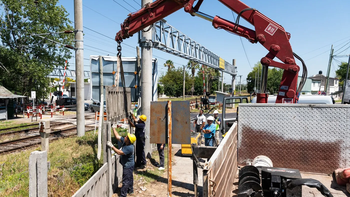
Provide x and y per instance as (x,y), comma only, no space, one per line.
(45,130)
(146,80)
(38,174)
(79,65)
(109,160)
(233,85)
(183,84)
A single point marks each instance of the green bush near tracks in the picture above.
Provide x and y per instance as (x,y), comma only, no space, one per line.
(73,161)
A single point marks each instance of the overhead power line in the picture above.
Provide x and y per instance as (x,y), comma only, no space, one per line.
(130,5)
(122,6)
(100,14)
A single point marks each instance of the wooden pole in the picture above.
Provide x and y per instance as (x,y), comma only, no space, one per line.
(169,150)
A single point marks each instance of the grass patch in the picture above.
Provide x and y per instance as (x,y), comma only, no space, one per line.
(10,124)
(73,161)
(151,174)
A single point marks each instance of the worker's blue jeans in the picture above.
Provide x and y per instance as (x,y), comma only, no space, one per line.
(128,181)
(209,141)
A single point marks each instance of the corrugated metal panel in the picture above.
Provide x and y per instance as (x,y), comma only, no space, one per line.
(181,131)
(115,103)
(311,138)
(222,166)
(158,122)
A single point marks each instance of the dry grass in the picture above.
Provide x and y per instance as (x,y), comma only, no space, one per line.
(72,162)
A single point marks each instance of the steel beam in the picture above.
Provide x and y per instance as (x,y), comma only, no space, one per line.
(168,39)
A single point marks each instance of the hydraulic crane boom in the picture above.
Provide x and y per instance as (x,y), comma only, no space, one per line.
(267,32)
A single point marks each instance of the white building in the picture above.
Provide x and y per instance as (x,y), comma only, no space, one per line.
(318,84)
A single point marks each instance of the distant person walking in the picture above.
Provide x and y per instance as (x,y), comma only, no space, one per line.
(209,131)
(127,161)
(160,148)
(199,122)
(140,140)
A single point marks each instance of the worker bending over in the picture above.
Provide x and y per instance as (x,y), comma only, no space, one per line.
(209,131)
(126,160)
(140,140)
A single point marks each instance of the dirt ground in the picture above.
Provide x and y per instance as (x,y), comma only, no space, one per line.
(182,178)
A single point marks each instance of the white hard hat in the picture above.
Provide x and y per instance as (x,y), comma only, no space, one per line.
(216,112)
(210,118)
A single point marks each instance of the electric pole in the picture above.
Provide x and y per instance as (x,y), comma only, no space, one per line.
(240,84)
(329,69)
(222,81)
(146,79)
(79,65)
(233,85)
(345,82)
(183,85)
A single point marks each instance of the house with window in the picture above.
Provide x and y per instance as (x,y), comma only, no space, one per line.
(318,84)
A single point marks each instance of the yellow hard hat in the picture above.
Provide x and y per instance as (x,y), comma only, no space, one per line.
(132,138)
(143,118)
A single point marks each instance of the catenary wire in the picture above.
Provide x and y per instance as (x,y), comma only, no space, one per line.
(122,6)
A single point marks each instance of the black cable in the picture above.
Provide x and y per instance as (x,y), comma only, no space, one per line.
(245,52)
(344,50)
(137,3)
(240,13)
(342,46)
(101,14)
(122,6)
(130,5)
(100,49)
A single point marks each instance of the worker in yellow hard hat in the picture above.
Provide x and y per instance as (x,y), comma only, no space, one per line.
(140,139)
(126,159)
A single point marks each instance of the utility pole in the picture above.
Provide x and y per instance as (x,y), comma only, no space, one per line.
(222,81)
(183,85)
(255,82)
(345,82)
(329,69)
(233,85)
(79,65)
(240,84)
(146,79)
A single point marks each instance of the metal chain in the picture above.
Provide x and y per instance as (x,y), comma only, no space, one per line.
(119,49)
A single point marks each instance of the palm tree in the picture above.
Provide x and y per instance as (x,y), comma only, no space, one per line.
(169,64)
(193,66)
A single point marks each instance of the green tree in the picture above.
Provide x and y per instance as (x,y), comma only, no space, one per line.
(169,64)
(341,73)
(173,82)
(193,66)
(160,89)
(273,80)
(29,58)
(211,77)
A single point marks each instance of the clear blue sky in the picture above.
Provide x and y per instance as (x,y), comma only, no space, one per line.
(314,26)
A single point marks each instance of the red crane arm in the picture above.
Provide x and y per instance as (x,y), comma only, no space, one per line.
(267,32)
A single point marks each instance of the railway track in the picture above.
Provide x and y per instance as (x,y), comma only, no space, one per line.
(22,143)
(27,129)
